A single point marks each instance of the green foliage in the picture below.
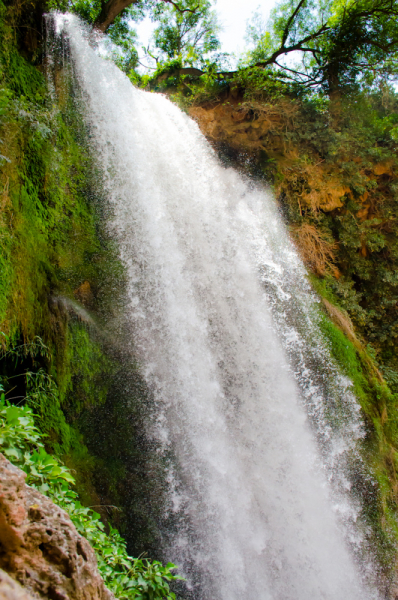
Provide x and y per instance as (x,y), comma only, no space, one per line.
(262,84)
(40,391)
(188,34)
(20,442)
(89,368)
(126,577)
(83,385)
(120,32)
(347,356)
(61,286)
(168,66)
(335,43)
(49,195)
(380,408)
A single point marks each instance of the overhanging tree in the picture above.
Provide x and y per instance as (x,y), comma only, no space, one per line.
(110,9)
(335,41)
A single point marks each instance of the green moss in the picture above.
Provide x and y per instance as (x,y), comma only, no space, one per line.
(346,355)
(379,406)
(50,243)
(61,285)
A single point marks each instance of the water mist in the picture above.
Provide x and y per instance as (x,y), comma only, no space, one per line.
(257,426)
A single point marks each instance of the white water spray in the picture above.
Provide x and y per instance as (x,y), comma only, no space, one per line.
(261,426)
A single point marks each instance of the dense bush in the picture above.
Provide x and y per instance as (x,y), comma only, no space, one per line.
(128,578)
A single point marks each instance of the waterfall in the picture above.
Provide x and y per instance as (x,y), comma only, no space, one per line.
(258,428)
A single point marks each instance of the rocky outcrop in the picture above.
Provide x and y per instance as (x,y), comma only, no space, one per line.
(254,128)
(11,590)
(40,547)
(238,126)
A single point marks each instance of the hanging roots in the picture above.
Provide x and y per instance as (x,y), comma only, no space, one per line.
(315,250)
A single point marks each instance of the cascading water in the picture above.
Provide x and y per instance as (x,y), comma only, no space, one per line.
(257,425)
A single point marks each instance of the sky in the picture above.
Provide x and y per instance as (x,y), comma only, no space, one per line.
(233,15)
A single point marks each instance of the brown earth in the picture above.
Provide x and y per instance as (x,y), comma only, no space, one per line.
(251,127)
(255,127)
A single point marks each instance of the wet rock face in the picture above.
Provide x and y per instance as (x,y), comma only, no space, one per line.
(39,545)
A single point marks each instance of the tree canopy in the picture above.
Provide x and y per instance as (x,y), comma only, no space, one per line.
(189,32)
(334,42)
(187,29)
(327,44)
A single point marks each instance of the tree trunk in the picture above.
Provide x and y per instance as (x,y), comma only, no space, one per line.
(109,12)
(334,93)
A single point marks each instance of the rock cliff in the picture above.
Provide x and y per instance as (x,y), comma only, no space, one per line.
(253,127)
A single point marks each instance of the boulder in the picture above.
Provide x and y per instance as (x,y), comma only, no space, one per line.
(39,545)
(11,590)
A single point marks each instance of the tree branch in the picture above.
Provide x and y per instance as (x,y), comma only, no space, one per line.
(145,67)
(298,46)
(314,79)
(109,11)
(112,8)
(290,21)
(182,10)
(183,71)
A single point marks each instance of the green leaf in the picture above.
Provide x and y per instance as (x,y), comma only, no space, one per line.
(11,452)
(127,577)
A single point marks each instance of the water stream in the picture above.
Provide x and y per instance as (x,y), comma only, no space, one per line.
(258,428)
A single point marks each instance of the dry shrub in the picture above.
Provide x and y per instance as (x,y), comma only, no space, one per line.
(313,186)
(315,250)
(341,319)
(343,322)
(326,190)
(280,114)
(84,294)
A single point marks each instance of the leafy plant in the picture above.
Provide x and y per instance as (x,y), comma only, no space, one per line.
(128,578)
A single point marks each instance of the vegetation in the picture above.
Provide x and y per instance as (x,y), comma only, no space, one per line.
(186,32)
(329,150)
(188,35)
(45,179)
(336,43)
(126,577)
(60,279)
